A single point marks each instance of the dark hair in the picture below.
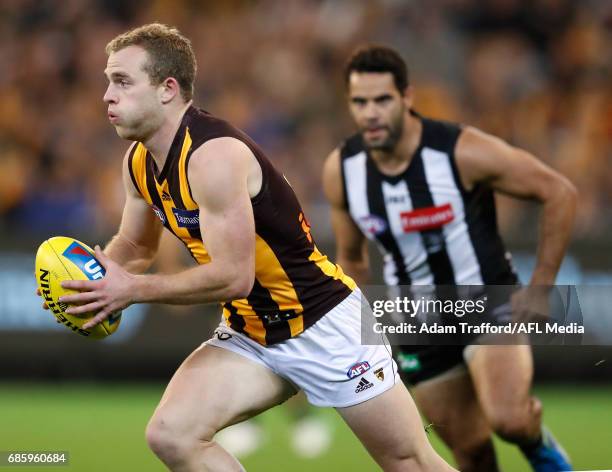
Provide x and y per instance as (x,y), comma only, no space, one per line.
(376,58)
(170,54)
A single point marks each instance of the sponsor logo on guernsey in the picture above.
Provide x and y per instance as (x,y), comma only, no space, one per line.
(357,369)
(363,385)
(84,260)
(166,196)
(373,224)
(159,213)
(380,374)
(189,219)
(423,219)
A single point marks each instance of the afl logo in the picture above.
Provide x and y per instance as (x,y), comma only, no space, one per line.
(357,369)
(373,224)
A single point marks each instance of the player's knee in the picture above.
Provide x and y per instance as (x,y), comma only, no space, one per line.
(165,440)
(476,457)
(160,439)
(409,457)
(511,424)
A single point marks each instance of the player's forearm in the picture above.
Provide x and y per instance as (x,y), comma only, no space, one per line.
(203,284)
(556,222)
(132,257)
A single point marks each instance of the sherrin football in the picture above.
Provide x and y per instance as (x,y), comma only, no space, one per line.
(62,258)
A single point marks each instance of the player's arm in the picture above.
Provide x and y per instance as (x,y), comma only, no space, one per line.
(217,174)
(137,240)
(351,245)
(484,158)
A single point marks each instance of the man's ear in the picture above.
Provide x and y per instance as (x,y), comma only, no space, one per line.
(408,96)
(169,89)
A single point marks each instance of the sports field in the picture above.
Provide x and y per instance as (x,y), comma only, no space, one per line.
(102,428)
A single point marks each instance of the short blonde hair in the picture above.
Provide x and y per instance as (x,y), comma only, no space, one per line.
(170,54)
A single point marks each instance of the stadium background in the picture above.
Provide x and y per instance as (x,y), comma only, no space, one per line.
(536,73)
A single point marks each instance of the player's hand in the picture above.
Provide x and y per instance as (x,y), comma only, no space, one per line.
(44,304)
(105,296)
(531,304)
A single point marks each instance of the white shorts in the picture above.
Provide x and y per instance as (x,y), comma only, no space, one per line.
(327,361)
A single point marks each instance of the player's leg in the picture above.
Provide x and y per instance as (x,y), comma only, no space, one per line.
(502,377)
(334,368)
(390,428)
(442,389)
(449,403)
(212,389)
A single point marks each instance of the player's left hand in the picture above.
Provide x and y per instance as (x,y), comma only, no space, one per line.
(105,296)
(531,304)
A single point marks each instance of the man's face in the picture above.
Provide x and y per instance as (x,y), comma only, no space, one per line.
(378,108)
(134,105)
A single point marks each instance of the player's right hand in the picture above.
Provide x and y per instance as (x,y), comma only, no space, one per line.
(44,305)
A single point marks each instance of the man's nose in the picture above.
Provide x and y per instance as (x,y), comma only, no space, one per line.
(109,95)
(371,112)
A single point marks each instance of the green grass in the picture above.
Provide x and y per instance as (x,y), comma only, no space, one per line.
(102,428)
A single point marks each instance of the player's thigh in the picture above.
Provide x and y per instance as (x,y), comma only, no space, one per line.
(502,374)
(388,423)
(450,404)
(214,388)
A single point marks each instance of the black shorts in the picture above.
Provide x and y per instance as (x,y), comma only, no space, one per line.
(419,363)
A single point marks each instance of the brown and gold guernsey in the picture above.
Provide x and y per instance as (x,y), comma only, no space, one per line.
(295,285)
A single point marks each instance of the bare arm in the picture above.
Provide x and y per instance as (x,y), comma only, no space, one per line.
(351,245)
(137,240)
(218,176)
(484,158)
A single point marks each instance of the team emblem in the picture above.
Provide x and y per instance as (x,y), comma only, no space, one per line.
(380,374)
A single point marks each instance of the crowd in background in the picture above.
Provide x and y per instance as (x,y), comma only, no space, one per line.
(535,72)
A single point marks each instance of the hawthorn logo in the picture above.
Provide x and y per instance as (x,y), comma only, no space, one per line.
(379,374)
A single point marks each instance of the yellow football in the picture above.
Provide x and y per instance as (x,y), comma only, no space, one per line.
(62,258)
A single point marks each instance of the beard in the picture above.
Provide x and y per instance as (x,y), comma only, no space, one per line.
(387,143)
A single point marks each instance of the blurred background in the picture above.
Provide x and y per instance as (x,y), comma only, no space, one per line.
(536,73)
